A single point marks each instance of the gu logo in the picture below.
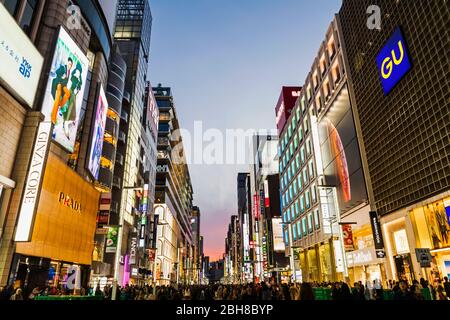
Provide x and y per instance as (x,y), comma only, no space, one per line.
(25,68)
(393,61)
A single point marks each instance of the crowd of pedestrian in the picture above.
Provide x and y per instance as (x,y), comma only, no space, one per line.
(400,290)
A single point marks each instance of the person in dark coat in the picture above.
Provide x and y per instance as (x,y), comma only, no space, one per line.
(403,293)
(306,291)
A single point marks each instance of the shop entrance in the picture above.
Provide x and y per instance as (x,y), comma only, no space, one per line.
(404,267)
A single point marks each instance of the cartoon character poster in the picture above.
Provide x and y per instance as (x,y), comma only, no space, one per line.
(65,90)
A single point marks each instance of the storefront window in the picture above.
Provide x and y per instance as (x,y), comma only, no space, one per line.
(325,262)
(432,230)
(313,265)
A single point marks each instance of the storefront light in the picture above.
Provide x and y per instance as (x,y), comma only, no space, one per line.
(440,250)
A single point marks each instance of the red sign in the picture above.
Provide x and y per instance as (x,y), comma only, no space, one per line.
(151,254)
(256,211)
(348,237)
(285,104)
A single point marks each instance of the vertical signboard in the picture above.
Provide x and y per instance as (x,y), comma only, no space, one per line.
(33,183)
(111,240)
(65,90)
(133,248)
(277,233)
(98,134)
(377,234)
(348,237)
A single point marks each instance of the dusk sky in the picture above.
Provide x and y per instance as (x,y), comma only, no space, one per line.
(226,61)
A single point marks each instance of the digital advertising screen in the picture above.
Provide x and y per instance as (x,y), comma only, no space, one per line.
(98,134)
(65,90)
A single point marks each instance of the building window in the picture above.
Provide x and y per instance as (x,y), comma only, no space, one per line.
(317,219)
(300,133)
(291,148)
(295,187)
(307,198)
(299,180)
(12,6)
(305,231)
(302,203)
(308,146)
(314,193)
(311,169)
(295,142)
(299,230)
(302,154)
(26,22)
(294,232)
(305,176)
(297,208)
(297,111)
(294,121)
(310,223)
(286,237)
(303,105)
(306,125)
(297,161)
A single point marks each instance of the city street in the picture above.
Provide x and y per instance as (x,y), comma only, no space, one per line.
(223,156)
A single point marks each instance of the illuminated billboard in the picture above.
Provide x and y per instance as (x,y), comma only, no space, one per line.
(393,61)
(277,231)
(98,133)
(21,63)
(285,104)
(65,90)
(340,153)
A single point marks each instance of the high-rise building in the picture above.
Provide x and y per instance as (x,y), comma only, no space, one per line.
(271,261)
(197,250)
(398,88)
(247,251)
(173,197)
(322,180)
(63,118)
(232,251)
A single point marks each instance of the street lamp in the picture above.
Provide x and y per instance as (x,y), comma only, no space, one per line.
(119,240)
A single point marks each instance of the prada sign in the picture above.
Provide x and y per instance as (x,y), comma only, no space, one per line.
(67,201)
(33,183)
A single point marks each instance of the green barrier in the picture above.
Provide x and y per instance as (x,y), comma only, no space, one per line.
(322,293)
(426,294)
(60,298)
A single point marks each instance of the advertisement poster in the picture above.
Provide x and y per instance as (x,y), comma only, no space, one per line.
(21,63)
(348,237)
(340,154)
(277,231)
(98,133)
(438,225)
(65,90)
(111,240)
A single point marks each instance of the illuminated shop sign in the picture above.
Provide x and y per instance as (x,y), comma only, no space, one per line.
(393,61)
(64,93)
(21,63)
(69,202)
(33,183)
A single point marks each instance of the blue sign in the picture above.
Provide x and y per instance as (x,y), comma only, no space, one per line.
(393,61)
